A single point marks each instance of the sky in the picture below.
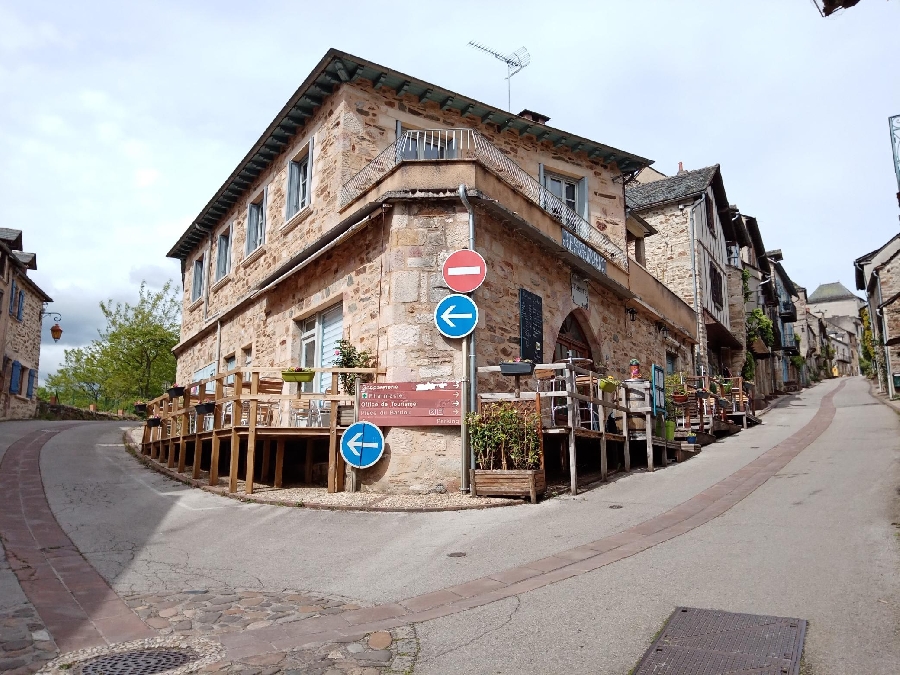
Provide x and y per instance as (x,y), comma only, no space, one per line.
(119,121)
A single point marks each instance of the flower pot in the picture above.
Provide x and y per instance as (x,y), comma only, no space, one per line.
(702,393)
(205,408)
(516,368)
(723,403)
(294,376)
(670,431)
(154,422)
(511,483)
(692,440)
(607,385)
(679,398)
(140,408)
(175,392)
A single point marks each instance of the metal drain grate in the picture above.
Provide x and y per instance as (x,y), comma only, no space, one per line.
(695,641)
(138,662)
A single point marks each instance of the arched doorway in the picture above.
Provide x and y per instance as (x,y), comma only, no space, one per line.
(572,338)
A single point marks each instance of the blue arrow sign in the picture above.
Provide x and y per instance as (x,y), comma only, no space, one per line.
(456,316)
(362,445)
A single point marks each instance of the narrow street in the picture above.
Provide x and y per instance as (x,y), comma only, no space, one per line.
(814,540)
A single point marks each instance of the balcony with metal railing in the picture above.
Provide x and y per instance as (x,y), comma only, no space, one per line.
(469,144)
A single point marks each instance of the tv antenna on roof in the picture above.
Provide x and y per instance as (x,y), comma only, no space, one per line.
(515,62)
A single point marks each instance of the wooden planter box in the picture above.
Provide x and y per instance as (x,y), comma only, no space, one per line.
(154,422)
(292,376)
(510,483)
(516,368)
(205,408)
(175,392)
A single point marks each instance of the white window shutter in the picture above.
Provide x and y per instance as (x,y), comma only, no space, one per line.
(309,169)
(581,198)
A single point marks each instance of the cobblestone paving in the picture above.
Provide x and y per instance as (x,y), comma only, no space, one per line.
(210,612)
(25,644)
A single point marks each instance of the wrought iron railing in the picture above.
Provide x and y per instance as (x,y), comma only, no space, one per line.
(447,144)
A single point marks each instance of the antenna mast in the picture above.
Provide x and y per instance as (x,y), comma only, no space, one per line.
(515,62)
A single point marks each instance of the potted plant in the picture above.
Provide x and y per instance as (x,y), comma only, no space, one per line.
(206,407)
(140,407)
(608,383)
(517,366)
(175,391)
(506,441)
(154,421)
(298,374)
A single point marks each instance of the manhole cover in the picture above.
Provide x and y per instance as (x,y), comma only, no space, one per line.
(710,641)
(139,662)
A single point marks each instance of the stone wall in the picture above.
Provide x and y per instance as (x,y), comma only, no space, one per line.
(23,344)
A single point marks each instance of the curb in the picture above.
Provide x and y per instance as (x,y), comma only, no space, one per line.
(251,499)
(878,397)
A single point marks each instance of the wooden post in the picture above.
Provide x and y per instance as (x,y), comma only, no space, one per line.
(625,429)
(251,434)
(308,466)
(649,434)
(604,460)
(573,469)
(332,438)
(216,440)
(279,463)
(266,461)
(235,439)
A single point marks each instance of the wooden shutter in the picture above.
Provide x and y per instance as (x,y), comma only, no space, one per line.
(581,198)
(32,376)
(12,298)
(15,377)
(293,201)
(21,311)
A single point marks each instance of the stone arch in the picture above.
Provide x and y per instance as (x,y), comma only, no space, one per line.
(575,334)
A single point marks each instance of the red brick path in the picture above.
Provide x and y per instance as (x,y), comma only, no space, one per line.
(73,600)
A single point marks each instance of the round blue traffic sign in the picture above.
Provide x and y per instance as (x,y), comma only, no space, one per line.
(456,316)
(362,445)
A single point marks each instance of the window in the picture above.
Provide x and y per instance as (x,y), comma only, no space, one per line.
(13,297)
(572,192)
(715,285)
(710,215)
(223,254)
(734,255)
(247,353)
(637,243)
(3,265)
(197,284)
(299,192)
(426,143)
(20,312)
(671,363)
(318,342)
(256,224)
(230,364)
(206,373)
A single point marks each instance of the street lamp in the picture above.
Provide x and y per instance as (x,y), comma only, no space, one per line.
(56,330)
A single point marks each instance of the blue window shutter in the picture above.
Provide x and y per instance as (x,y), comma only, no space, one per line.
(21,311)
(12,298)
(31,378)
(14,379)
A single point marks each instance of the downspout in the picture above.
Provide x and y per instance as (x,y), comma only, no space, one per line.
(696,288)
(884,336)
(468,457)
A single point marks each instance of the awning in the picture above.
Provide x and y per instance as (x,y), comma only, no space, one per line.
(717,336)
(759,349)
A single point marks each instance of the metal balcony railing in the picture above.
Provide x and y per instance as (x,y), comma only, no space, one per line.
(450,144)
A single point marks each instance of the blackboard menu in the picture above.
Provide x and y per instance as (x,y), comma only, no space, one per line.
(531,326)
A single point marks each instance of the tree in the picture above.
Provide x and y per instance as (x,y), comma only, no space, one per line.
(132,359)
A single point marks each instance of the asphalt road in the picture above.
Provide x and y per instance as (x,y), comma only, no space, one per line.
(814,542)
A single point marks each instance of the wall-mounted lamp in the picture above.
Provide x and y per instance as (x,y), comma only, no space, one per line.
(56,330)
(631,312)
(662,328)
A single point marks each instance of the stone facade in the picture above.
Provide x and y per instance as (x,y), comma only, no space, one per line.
(21,320)
(385,271)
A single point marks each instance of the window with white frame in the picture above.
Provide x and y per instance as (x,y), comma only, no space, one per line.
(318,343)
(256,223)
(197,283)
(230,364)
(223,254)
(572,192)
(299,192)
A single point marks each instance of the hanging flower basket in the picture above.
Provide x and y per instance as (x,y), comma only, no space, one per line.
(679,398)
(298,375)
(608,384)
(516,367)
(154,422)
(175,392)
(702,393)
(140,408)
(205,408)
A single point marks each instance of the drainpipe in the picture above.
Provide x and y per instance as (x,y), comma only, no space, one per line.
(470,370)
(696,288)
(884,337)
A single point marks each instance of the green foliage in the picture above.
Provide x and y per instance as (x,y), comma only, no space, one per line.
(674,385)
(798,362)
(349,356)
(868,341)
(748,372)
(745,284)
(504,437)
(760,326)
(132,359)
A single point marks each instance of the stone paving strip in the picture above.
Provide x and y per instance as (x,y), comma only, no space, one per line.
(318,497)
(25,642)
(700,509)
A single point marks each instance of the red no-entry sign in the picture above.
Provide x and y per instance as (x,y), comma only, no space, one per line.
(464,271)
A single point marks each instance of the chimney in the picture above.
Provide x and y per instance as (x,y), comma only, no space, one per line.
(680,167)
(535,117)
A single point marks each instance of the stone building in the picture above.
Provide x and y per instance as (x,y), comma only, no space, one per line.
(337,222)
(20,328)
(878,275)
(783,313)
(691,254)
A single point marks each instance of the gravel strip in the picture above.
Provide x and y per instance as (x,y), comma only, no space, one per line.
(25,644)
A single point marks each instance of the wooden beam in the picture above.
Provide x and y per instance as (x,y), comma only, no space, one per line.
(425,94)
(341,71)
(467,109)
(279,463)
(251,434)
(560,141)
(447,103)
(573,409)
(315,100)
(235,439)
(506,125)
(487,118)
(379,80)
(403,88)
(332,439)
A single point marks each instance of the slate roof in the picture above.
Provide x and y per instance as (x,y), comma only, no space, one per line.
(831,292)
(685,184)
(27,259)
(12,238)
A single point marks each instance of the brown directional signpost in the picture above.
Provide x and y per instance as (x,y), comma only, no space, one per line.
(411,404)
